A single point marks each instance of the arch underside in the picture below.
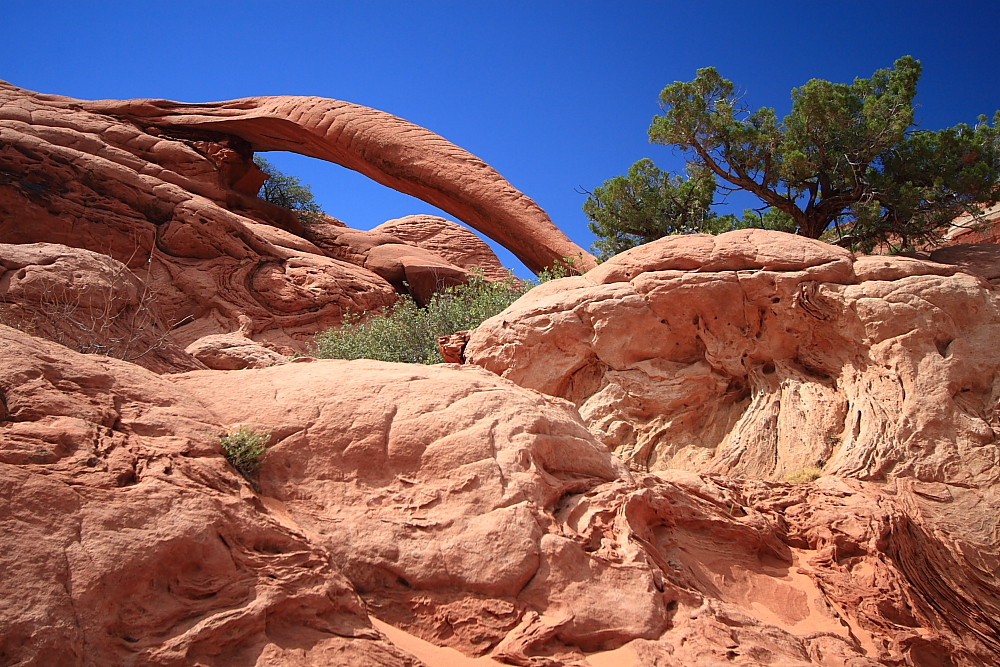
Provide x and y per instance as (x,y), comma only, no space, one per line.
(387,149)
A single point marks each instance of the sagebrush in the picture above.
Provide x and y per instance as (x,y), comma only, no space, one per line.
(804,475)
(244,448)
(408,332)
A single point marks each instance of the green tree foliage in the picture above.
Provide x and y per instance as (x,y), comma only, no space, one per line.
(286,191)
(846,162)
(647,204)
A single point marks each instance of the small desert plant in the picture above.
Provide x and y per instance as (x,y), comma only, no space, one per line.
(408,332)
(803,475)
(244,447)
(115,316)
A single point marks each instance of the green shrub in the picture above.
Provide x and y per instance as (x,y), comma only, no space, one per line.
(408,333)
(288,192)
(244,447)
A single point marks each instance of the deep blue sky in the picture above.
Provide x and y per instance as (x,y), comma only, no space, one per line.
(554,95)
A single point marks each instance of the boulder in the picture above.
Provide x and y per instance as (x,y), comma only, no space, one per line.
(448,240)
(759,353)
(413,269)
(233,351)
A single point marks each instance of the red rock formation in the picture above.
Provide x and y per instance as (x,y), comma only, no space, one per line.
(88,302)
(480,513)
(165,205)
(172,198)
(447,239)
(456,505)
(129,540)
(230,352)
(759,353)
(387,149)
(967,229)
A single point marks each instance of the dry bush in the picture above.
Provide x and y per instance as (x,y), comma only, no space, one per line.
(804,475)
(113,314)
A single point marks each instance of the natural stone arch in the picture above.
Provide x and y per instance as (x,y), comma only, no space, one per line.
(387,149)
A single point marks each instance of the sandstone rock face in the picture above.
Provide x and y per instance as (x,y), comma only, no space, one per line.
(129,540)
(418,271)
(450,503)
(172,198)
(759,353)
(449,240)
(387,149)
(981,259)
(166,205)
(982,229)
(424,483)
(88,302)
(612,499)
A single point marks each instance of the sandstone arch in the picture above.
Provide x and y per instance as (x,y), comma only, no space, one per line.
(387,149)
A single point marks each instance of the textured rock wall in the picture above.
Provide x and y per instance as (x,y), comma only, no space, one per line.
(759,353)
(453,504)
(163,206)
(387,149)
(174,199)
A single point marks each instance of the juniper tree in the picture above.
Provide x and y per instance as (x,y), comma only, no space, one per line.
(847,162)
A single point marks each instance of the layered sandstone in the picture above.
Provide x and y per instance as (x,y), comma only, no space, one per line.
(386,148)
(88,302)
(129,540)
(168,207)
(173,199)
(449,503)
(760,353)
(601,486)
(448,240)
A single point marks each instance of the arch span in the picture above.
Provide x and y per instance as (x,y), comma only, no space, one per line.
(387,149)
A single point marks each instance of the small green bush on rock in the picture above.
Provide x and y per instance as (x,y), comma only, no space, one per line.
(408,333)
(244,447)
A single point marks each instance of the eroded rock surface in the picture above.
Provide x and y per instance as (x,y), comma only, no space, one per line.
(449,240)
(233,351)
(453,504)
(759,353)
(88,302)
(612,499)
(170,207)
(128,539)
(173,199)
(386,148)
